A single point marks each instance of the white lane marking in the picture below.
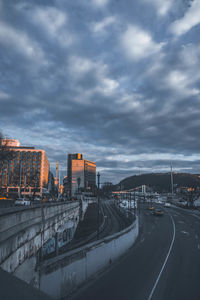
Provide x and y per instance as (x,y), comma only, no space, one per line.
(175,215)
(166,259)
(196,216)
(181,222)
(185,232)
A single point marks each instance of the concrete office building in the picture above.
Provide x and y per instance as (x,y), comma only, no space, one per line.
(81,174)
(25,170)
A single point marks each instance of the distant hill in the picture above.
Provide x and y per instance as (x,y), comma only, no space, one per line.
(160,181)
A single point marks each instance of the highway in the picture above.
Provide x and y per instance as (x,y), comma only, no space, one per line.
(164,263)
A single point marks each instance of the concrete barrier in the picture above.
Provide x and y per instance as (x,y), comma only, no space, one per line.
(60,276)
(24,232)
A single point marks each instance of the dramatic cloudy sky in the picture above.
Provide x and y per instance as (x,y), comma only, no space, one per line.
(117,80)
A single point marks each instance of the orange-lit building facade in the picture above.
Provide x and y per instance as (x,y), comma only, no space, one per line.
(25,171)
(77,175)
(89,174)
(10,143)
(81,174)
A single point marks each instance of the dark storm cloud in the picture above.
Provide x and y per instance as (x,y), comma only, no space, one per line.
(111,79)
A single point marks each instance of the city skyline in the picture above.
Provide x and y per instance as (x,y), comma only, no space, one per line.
(115,80)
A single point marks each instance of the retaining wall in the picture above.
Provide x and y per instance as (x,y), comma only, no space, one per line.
(58,277)
(23,232)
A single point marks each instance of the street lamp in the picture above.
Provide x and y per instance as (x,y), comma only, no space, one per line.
(98,183)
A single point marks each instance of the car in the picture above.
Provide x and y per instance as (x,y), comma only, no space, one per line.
(150,208)
(158,212)
(167,204)
(159,202)
(3,198)
(182,204)
(22,202)
(37,199)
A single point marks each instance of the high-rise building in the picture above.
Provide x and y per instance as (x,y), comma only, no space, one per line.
(81,174)
(24,171)
(51,183)
(89,174)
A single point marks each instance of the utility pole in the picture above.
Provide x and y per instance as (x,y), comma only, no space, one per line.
(98,184)
(59,182)
(172,181)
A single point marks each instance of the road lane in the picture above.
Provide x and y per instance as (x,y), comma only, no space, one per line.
(166,259)
(135,275)
(181,277)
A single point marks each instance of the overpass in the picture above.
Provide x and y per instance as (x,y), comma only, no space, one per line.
(24,231)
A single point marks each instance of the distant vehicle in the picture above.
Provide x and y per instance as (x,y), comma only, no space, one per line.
(37,199)
(158,212)
(167,204)
(22,202)
(124,203)
(150,208)
(159,202)
(182,204)
(3,198)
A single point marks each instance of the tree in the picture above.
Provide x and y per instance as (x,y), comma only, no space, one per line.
(4,154)
(4,149)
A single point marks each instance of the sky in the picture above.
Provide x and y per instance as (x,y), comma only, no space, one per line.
(116,80)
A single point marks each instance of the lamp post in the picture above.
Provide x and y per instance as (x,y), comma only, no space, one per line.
(98,200)
(172,181)
(20,177)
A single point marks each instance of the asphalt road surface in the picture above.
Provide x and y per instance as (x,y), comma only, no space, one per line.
(164,263)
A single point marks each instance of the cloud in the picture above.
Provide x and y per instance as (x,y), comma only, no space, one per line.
(77,76)
(188,21)
(190,56)
(181,83)
(138,44)
(100,3)
(153,157)
(100,27)
(4,96)
(162,6)
(183,77)
(51,20)
(81,67)
(21,42)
